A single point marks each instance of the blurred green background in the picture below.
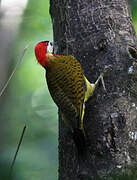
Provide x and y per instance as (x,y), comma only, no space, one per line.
(27,100)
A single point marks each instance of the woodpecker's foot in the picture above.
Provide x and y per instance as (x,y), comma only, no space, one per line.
(102,80)
(106,69)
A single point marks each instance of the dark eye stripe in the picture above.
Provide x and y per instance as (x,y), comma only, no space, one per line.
(51,43)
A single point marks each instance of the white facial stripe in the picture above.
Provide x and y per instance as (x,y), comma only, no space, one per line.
(50,47)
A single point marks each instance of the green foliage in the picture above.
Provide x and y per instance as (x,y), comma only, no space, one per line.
(28,102)
(133,6)
(36,21)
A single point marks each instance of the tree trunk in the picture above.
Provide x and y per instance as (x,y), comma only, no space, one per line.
(98,34)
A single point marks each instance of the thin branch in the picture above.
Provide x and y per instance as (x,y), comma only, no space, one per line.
(17,150)
(17,65)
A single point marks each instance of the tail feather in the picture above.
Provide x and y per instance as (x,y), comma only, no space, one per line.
(85,164)
(80,142)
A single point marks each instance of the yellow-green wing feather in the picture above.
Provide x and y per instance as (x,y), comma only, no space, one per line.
(67,87)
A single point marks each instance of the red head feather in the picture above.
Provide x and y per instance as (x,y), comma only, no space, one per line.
(41,53)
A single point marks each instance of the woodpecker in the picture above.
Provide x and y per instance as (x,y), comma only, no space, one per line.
(69,88)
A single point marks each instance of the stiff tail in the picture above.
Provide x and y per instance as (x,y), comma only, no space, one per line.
(82,152)
(80,142)
(85,165)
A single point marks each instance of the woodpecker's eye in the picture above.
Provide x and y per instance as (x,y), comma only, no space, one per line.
(50,47)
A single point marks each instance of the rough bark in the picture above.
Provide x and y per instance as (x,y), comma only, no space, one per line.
(98,34)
